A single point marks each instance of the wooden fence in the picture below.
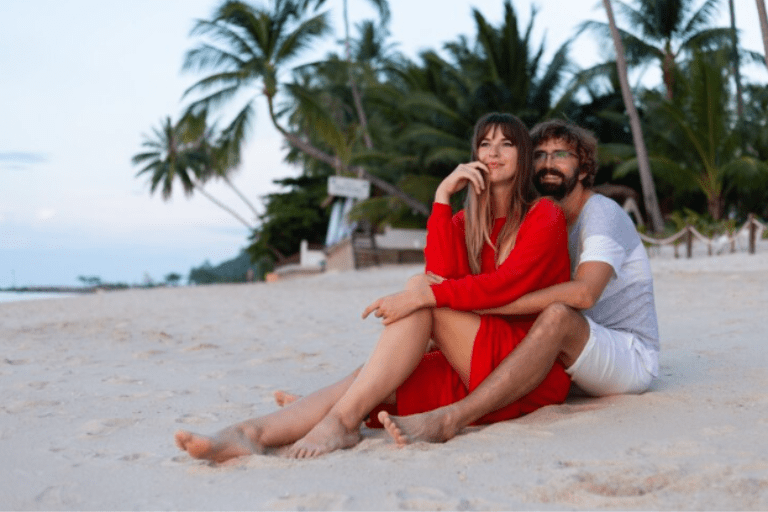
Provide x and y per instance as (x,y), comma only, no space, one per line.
(689,233)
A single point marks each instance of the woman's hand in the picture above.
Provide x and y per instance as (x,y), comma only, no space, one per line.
(433,278)
(473,173)
(399,305)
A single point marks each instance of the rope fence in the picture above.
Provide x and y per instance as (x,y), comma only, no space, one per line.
(689,232)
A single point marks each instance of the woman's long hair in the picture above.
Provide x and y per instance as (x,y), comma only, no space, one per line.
(478,217)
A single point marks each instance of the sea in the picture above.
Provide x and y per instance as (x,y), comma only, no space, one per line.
(19,296)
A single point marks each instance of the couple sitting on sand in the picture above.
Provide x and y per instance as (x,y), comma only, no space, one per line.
(501,321)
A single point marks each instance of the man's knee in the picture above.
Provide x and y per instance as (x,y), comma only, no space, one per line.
(565,328)
(557,313)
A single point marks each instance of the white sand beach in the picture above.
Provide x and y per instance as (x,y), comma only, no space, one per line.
(93,388)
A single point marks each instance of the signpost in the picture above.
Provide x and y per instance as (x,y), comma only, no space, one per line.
(349,187)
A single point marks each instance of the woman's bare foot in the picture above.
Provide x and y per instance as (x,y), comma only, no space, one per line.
(327,436)
(431,427)
(282,398)
(232,442)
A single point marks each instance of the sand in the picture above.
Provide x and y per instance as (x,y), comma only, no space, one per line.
(93,388)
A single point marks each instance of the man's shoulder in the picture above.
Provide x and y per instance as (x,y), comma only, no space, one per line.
(602,215)
(604,210)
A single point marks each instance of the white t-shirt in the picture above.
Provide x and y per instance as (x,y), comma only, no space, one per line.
(604,232)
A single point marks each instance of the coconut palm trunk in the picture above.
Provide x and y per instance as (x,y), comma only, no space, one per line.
(736,61)
(356,96)
(646,178)
(763,26)
(223,206)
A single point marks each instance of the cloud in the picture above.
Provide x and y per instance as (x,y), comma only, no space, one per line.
(21,160)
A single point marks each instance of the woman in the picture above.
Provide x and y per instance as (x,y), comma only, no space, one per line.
(502,246)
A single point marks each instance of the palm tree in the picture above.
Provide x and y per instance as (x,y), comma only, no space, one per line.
(697,145)
(646,178)
(383,7)
(251,46)
(667,31)
(174,153)
(500,71)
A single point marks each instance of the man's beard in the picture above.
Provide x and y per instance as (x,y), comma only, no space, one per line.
(555,190)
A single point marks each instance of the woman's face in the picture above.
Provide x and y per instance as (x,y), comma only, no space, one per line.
(499,155)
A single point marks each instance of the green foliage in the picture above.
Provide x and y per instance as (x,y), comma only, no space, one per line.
(90,280)
(409,122)
(290,217)
(703,223)
(173,278)
(230,271)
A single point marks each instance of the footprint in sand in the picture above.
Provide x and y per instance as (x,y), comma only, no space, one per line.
(311,501)
(429,498)
(624,485)
(105,427)
(18,407)
(195,419)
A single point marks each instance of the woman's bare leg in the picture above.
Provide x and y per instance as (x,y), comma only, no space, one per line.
(454,332)
(276,429)
(394,358)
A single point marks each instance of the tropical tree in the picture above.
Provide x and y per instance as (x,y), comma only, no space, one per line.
(246,48)
(179,153)
(646,178)
(667,31)
(697,145)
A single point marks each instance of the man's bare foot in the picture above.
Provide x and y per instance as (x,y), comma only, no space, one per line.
(327,436)
(229,443)
(282,398)
(431,427)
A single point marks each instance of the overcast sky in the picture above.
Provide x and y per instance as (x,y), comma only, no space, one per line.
(83,80)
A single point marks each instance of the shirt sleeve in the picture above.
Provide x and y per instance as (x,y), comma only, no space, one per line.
(605,249)
(446,252)
(539,259)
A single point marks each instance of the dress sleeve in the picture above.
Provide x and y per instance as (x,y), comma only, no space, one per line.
(538,260)
(446,252)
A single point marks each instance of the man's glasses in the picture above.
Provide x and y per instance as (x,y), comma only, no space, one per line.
(561,155)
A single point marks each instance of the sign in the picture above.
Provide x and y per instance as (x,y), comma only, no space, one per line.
(349,187)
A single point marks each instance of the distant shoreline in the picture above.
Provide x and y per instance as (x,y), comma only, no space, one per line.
(50,289)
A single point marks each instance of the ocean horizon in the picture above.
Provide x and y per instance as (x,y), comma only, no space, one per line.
(23,296)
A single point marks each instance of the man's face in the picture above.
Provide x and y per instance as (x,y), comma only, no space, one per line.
(555,167)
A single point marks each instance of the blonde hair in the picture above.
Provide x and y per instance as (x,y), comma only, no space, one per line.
(478,217)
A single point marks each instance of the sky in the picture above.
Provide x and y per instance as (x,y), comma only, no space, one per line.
(83,81)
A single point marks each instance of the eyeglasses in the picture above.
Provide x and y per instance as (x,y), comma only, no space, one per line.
(560,155)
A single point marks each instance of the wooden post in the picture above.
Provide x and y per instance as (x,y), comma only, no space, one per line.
(752,233)
(689,242)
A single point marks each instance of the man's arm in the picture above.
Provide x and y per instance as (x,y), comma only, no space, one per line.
(582,293)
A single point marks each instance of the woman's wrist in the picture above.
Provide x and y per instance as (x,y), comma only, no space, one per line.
(442,197)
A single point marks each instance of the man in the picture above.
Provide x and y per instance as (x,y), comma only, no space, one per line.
(601,325)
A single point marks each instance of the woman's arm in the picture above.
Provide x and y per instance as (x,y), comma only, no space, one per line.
(446,251)
(445,240)
(538,260)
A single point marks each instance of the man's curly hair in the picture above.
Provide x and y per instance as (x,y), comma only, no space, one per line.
(581,140)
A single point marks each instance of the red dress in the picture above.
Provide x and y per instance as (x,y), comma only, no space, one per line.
(538,260)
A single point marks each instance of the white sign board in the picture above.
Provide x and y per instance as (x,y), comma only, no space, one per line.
(349,187)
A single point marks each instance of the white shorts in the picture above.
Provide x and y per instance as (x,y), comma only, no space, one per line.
(610,363)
